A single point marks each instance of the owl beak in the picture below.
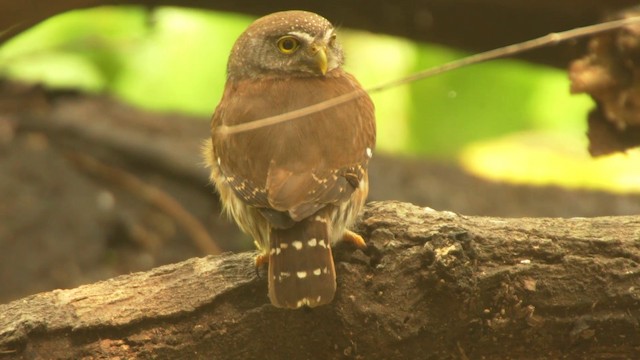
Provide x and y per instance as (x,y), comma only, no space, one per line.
(320,56)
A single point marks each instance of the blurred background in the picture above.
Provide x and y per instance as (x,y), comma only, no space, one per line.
(98,106)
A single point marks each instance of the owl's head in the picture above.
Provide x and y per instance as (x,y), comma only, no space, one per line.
(291,43)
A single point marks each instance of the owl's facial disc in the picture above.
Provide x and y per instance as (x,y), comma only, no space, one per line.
(319,54)
(290,44)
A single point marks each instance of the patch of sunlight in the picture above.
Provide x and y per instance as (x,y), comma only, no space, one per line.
(72,49)
(57,70)
(376,59)
(182,64)
(552,158)
(482,101)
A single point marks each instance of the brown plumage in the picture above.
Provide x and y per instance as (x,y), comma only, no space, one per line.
(296,186)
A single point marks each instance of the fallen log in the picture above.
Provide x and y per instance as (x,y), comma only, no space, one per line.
(430,285)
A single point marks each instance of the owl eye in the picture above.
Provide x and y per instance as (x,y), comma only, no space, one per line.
(288,44)
(332,39)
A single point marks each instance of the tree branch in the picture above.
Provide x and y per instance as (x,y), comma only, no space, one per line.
(431,285)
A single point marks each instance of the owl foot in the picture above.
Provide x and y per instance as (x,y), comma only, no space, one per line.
(357,240)
(262,260)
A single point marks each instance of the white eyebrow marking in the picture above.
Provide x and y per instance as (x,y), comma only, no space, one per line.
(302,35)
(328,35)
(297,244)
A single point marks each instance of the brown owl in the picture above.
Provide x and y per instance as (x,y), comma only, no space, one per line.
(297,186)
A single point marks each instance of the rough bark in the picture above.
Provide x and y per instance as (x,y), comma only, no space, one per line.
(431,285)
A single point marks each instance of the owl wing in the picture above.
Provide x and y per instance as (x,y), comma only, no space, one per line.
(303,194)
(293,169)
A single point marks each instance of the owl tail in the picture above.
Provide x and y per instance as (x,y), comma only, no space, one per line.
(301,270)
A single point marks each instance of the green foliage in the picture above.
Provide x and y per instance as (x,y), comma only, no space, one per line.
(80,49)
(169,59)
(181,65)
(174,59)
(485,101)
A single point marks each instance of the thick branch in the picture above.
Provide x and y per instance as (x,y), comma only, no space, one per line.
(431,285)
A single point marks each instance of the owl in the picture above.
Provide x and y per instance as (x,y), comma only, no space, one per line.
(295,187)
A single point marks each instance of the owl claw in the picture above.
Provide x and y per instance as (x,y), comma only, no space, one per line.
(261,261)
(355,239)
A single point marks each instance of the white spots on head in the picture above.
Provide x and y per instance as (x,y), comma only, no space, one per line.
(284,246)
(322,243)
(218,160)
(318,299)
(301,274)
(297,244)
(272,251)
(313,242)
(369,152)
(325,270)
(317,272)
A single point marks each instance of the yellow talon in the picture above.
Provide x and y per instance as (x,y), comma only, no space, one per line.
(355,239)
(262,260)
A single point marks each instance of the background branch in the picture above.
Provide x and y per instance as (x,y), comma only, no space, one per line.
(472,26)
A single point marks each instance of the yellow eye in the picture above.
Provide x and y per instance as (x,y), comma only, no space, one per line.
(288,44)
(332,39)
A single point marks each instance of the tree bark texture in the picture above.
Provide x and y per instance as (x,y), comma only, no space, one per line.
(431,285)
